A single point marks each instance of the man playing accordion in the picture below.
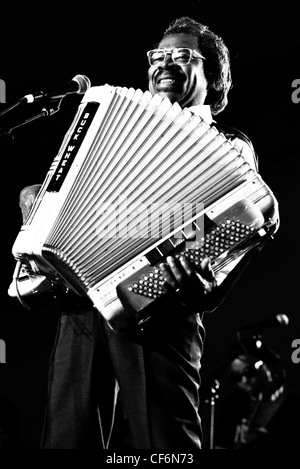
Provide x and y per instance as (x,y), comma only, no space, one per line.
(128,384)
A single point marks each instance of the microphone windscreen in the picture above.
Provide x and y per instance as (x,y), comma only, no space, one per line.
(83,82)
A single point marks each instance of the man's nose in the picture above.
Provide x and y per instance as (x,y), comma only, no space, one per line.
(168,62)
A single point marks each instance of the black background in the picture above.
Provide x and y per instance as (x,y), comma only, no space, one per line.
(46,43)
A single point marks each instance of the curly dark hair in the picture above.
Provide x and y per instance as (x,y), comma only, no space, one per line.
(217,60)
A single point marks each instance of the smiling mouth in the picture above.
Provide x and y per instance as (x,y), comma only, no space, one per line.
(169,83)
(166,81)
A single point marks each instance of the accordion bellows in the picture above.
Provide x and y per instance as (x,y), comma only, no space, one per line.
(135,179)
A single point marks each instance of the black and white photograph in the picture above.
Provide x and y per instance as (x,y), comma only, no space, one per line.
(150,181)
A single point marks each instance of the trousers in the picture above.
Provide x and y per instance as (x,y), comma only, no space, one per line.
(110,391)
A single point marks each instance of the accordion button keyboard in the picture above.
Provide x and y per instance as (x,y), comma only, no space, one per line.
(217,241)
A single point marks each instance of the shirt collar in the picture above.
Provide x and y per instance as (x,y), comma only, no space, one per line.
(204,111)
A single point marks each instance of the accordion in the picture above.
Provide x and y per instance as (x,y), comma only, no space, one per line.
(137,179)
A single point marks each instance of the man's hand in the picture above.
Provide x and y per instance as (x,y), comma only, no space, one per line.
(27,197)
(190,285)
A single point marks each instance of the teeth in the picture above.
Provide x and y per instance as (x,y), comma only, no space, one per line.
(167,80)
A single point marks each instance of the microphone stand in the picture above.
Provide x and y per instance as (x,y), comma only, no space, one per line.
(212,401)
(12,106)
(50,108)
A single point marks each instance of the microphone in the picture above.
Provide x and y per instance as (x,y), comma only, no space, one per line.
(79,84)
(278,320)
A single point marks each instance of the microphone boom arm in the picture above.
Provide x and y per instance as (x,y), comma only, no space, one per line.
(48,110)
